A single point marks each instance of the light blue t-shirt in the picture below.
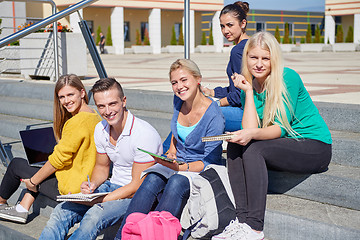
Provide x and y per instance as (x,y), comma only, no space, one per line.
(183,131)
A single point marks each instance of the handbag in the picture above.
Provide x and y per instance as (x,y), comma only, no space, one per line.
(152,226)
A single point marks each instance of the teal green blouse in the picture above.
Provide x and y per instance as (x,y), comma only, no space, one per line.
(306,119)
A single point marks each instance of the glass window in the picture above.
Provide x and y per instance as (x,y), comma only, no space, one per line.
(177,30)
(90,24)
(260,26)
(291,27)
(144,25)
(126,31)
(313,27)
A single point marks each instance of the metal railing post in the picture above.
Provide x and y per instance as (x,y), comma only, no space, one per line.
(187,29)
(56,44)
(55,38)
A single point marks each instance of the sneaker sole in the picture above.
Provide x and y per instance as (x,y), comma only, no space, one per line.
(13,218)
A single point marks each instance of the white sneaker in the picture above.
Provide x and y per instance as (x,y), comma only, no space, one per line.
(249,234)
(230,231)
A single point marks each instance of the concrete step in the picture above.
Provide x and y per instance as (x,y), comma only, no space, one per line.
(295,218)
(25,107)
(346,150)
(11,125)
(341,117)
(339,186)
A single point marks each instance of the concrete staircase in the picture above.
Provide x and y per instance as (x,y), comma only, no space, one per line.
(320,206)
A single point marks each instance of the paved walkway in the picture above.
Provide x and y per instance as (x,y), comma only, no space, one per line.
(329,77)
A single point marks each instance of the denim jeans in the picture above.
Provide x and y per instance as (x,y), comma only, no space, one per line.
(174,192)
(233,117)
(92,219)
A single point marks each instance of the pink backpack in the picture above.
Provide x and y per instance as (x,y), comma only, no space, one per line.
(153,226)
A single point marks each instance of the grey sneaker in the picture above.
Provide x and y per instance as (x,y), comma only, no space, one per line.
(11,214)
(3,206)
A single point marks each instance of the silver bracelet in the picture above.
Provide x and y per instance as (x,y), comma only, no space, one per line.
(218,103)
(188,166)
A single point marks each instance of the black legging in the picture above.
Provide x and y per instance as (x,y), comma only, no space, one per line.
(20,169)
(247,168)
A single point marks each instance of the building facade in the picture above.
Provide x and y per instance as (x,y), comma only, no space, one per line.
(268,20)
(344,12)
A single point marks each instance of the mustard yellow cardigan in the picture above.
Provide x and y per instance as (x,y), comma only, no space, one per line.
(74,155)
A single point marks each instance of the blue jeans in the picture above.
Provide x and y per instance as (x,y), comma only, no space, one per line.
(92,219)
(175,193)
(233,117)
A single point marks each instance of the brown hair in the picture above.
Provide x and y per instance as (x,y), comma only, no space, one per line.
(104,84)
(238,9)
(61,115)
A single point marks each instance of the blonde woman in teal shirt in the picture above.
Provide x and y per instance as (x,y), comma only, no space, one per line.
(281,130)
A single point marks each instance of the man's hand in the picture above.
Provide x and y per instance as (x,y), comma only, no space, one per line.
(86,189)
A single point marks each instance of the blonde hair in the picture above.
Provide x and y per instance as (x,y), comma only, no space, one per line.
(276,92)
(61,115)
(186,64)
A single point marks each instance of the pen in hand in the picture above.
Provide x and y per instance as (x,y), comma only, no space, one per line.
(89,182)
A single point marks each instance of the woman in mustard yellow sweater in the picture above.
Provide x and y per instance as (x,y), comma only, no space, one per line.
(73,157)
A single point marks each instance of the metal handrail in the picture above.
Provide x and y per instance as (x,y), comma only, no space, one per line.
(33,28)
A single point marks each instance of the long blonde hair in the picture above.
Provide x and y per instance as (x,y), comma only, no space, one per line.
(276,92)
(61,115)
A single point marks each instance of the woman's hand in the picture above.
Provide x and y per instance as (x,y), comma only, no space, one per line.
(171,155)
(207,91)
(172,165)
(240,82)
(243,137)
(29,185)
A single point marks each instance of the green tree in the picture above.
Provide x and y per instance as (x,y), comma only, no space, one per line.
(308,34)
(173,37)
(0,25)
(286,34)
(294,40)
(146,37)
(108,40)
(339,34)
(277,33)
(211,38)
(181,36)
(350,35)
(302,40)
(98,31)
(317,34)
(203,39)
(138,38)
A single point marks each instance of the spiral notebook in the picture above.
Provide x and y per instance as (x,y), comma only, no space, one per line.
(80,197)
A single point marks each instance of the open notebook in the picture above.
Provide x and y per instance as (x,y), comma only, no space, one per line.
(80,197)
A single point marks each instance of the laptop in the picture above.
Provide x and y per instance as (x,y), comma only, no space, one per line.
(38,143)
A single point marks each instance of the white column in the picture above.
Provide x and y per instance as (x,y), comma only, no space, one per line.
(117,29)
(74,21)
(216,32)
(155,30)
(329,29)
(192,31)
(357,28)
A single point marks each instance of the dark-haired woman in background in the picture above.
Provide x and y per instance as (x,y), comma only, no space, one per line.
(233,27)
